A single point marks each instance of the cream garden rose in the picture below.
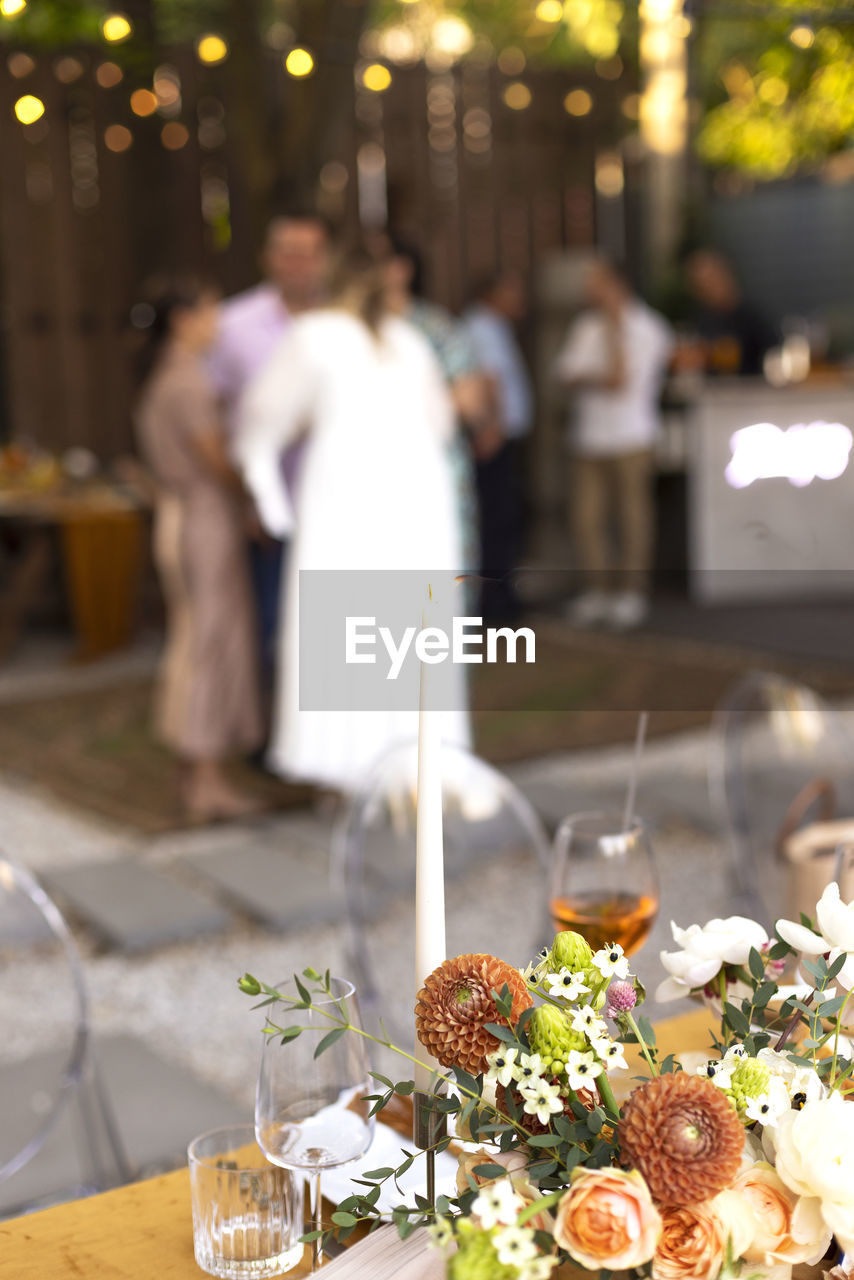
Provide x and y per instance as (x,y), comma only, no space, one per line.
(607,1221)
(785,1229)
(814,1157)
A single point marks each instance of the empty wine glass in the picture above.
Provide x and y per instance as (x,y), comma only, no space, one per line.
(312,1113)
(604,880)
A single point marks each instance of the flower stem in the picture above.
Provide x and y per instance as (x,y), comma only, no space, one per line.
(402,1053)
(791,1026)
(839,1020)
(653,1066)
(606,1094)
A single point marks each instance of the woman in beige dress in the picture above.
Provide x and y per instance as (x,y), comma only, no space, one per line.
(209,697)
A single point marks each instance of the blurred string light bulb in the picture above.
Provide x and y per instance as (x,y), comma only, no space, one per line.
(299,63)
(12,8)
(143,102)
(595,25)
(609,177)
(802,37)
(549,11)
(116,27)
(211,49)
(376,77)
(517,96)
(29,109)
(451,37)
(663,56)
(578,102)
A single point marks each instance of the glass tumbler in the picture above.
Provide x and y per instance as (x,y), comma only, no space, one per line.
(247,1213)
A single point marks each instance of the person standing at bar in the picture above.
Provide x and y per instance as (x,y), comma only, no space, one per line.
(733,337)
(498,305)
(295,263)
(613,362)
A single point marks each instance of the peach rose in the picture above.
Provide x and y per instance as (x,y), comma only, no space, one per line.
(513,1161)
(516,1165)
(786,1230)
(694,1238)
(607,1220)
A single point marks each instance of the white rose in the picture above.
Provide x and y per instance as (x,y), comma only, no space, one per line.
(836,924)
(704,951)
(814,1156)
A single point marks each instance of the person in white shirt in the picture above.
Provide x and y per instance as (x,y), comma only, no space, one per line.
(613,361)
(500,303)
(252,324)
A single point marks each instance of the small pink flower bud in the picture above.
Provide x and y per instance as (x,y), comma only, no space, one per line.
(621,998)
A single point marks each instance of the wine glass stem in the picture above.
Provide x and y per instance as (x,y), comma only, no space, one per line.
(316,1222)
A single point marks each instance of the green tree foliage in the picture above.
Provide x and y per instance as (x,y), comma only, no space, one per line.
(777,88)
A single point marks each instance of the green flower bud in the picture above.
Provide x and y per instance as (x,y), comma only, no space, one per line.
(749,1080)
(476,1257)
(248,985)
(551,1035)
(571,951)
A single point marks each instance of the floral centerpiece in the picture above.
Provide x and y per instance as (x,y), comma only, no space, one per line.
(742,1166)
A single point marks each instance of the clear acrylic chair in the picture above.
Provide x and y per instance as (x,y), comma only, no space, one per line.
(496,869)
(782,762)
(51,1097)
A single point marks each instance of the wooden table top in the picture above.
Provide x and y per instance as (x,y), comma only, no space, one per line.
(144,1231)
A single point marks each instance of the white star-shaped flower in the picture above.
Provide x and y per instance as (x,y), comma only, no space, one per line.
(497,1204)
(582,1069)
(600,1044)
(566,985)
(441,1233)
(612,962)
(720,1073)
(515,1246)
(528,1068)
(759,1108)
(502,1066)
(586,1021)
(539,1268)
(614,1057)
(542,1100)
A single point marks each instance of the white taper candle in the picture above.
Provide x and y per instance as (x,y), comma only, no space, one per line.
(429,856)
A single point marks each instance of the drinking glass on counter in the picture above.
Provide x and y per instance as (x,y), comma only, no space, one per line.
(247,1214)
(312,1113)
(604,880)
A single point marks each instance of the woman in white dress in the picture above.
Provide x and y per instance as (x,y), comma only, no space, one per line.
(374,492)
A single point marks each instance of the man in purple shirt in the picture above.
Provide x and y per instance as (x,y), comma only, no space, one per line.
(295,263)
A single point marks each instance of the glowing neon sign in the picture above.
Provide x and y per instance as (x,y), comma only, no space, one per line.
(800,454)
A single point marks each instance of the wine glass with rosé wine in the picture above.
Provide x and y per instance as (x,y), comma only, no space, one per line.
(604,880)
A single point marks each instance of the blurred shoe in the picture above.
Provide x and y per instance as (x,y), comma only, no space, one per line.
(589,609)
(208,803)
(627,610)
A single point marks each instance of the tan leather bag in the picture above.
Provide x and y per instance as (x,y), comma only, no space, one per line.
(809,852)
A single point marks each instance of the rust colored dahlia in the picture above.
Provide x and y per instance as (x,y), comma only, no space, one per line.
(455,1004)
(683,1135)
(586,1097)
